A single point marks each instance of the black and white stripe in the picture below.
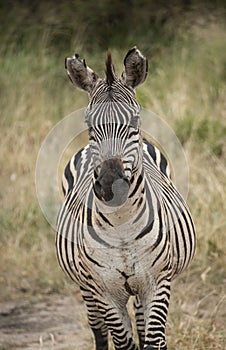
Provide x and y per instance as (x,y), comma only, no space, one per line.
(135,249)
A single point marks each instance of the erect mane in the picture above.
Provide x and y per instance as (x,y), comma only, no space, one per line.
(110,69)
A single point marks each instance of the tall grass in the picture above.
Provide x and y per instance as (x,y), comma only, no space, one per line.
(186,86)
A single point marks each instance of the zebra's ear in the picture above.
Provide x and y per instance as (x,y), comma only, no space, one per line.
(136,68)
(80,74)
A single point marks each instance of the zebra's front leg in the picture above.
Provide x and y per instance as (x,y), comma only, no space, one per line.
(96,321)
(140,324)
(118,323)
(156,305)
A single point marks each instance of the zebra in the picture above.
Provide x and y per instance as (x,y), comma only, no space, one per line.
(123,231)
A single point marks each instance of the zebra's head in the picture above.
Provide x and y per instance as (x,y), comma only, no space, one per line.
(113,120)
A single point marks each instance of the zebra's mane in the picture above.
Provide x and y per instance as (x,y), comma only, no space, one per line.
(110,70)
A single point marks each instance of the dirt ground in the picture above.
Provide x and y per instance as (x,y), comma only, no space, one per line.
(54,323)
(57,322)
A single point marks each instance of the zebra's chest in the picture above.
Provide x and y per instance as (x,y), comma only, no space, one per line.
(118,268)
(117,260)
(125,268)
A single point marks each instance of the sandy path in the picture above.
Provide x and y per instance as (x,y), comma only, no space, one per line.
(55,323)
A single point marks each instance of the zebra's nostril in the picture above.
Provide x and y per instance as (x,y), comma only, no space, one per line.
(114,192)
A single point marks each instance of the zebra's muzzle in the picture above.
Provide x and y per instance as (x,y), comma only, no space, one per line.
(112,186)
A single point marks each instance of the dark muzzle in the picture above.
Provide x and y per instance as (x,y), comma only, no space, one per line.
(112,186)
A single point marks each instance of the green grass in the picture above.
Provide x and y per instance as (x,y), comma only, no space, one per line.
(186,86)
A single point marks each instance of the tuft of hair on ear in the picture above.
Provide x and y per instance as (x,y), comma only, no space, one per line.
(110,69)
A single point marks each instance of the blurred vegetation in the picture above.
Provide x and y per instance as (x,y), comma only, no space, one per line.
(101,24)
(185,43)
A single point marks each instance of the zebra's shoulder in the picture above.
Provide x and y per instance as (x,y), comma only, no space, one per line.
(153,154)
(79,167)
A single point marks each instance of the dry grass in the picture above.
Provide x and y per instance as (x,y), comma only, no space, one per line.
(188,80)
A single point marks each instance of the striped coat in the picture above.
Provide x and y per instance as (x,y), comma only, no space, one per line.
(123,230)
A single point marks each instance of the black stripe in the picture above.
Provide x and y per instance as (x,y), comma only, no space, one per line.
(184,240)
(151,150)
(134,133)
(139,180)
(69,178)
(105,219)
(163,164)
(189,233)
(77,161)
(91,259)
(88,159)
(140,213)
(90,228)
(150,224)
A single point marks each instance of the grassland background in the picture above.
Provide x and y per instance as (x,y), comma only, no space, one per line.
(186,46)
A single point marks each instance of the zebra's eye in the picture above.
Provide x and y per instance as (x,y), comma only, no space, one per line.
(135,122)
